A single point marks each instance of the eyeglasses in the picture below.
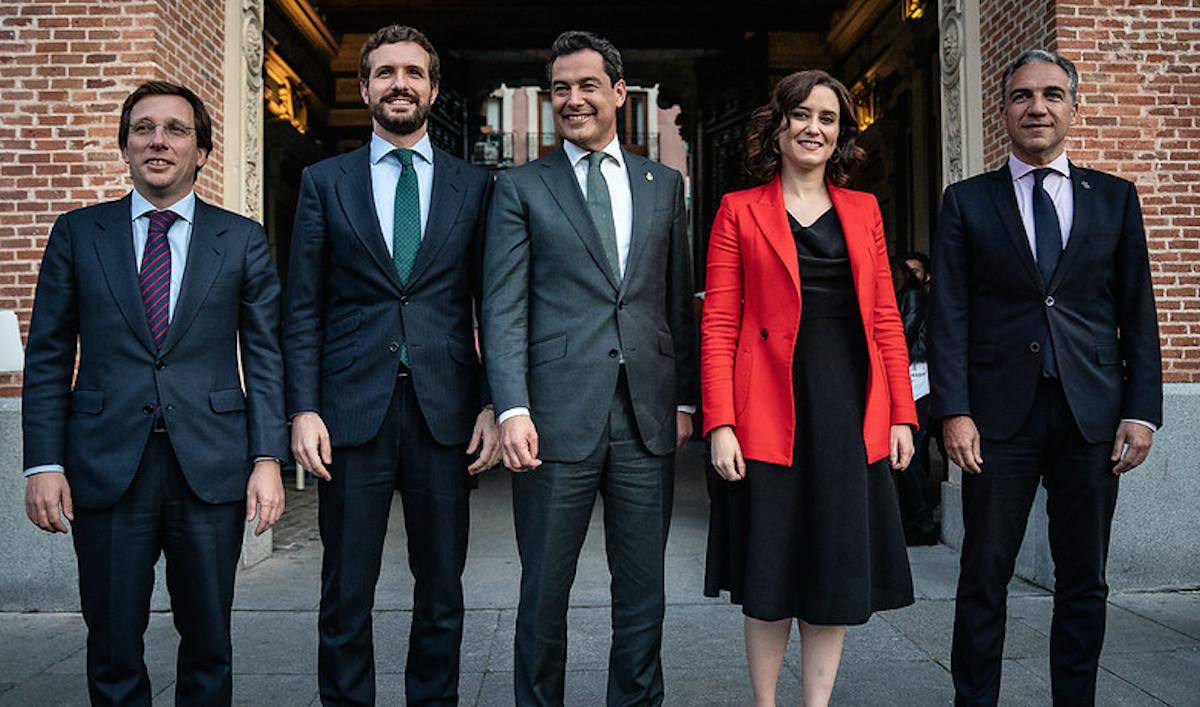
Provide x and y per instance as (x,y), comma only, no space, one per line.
(174,131)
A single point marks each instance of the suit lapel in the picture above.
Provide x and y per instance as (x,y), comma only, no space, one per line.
(358,204)
(559,178)
(1081,190)
(204,259)
(860,248)
(642,191)
(771,214)
(1010,215)
(114,247)
(446,201)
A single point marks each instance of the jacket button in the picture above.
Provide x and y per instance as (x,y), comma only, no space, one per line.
(393,347)
(159,365)
(613,353)
(1035,346)
(1049,301)
(764,333)
(621,304)
(147,409)
(170,407)
(404,299)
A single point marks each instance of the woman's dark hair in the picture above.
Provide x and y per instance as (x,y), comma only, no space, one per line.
(766,123)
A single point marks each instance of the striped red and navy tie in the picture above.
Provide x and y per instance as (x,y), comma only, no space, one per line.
(155,275)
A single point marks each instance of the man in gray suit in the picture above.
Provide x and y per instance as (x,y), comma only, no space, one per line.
(589,337)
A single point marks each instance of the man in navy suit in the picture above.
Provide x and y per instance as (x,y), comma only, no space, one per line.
(156,449)
(384,383)
(1045,367)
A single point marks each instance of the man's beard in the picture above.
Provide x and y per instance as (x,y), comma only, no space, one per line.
(405,125)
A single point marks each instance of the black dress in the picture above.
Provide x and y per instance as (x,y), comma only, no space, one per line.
(821,540)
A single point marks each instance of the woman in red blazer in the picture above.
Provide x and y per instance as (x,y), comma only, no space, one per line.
(806,393)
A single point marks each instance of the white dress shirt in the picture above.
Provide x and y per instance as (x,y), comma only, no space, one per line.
(385,173)
(1058,185)
(617,177)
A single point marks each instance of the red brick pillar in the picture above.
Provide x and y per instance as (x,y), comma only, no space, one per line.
(65,68)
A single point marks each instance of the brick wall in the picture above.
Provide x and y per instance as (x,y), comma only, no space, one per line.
(65,68)
(1007,28)
(1140,102)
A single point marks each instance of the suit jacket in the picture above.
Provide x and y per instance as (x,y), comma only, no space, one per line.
(557,320)
(88,292)
(346,311)
(990,311)
(751,319)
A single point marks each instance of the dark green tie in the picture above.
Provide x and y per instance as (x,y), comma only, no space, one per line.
(406,224)
(599,203)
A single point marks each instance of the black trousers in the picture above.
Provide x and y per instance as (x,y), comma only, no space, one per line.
(552,506)
(912,484)
(354,507)
(1081,493)
(117,549)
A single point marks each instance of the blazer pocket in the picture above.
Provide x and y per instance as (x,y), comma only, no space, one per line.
(1107,355)
(981,353)
(89,402)
(230,400)
(339,359)
(462,352)
(550,348)
(666,344)
(342,326)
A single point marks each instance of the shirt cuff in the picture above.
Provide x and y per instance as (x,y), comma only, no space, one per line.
(512,412)
(689,409)
(43,468)
(1153,427)
(277,460)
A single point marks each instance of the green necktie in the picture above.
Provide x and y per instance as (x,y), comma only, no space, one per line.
(406,224)
(599,203)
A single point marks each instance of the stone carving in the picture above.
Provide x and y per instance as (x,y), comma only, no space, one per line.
(252,113)
(952,94)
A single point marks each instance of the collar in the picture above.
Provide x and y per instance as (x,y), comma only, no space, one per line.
(185,208)
(1018,169)
(381,148)
(575,153)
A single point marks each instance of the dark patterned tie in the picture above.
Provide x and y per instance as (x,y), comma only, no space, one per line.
(155,275)
(406,224)
(599,203)
(1047,233)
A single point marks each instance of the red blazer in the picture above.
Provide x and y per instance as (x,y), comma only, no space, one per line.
(752,314)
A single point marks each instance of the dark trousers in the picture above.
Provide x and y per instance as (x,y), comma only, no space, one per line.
(912,485)
(552,506)
(117,548)
(1081,493)
(433,483)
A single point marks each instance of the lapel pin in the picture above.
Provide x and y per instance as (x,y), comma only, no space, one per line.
(649,177)
(1084,183)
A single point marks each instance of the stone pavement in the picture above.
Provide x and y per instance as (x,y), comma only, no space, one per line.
(900,658)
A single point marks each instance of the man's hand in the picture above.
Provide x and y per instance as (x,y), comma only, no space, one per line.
(1131,446)
(310,444)
(264,495)
(44,494)
(900,447)
(519,442)
(727,454)
(683,428)
(962,443)
(486,440)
